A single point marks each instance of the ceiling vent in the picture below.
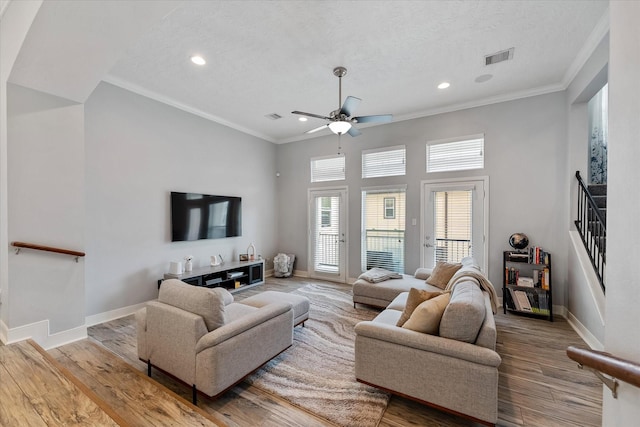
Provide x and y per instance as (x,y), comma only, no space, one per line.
(273,116)
(503,55)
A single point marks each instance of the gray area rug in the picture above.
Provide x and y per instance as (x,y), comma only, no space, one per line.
(317,373)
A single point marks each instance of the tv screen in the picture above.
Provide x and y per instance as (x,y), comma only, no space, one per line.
(201,216)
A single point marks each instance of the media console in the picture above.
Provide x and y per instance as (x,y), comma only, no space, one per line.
(233,276)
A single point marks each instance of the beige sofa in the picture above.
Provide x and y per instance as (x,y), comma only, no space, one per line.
(455,371)
(204,339)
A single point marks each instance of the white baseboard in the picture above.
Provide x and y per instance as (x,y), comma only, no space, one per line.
(39,332)
(112,314)
(584,333)
(301,273)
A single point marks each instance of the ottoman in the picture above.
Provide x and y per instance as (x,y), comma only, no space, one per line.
(300,304)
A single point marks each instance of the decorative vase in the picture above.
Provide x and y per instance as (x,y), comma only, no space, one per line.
(188,266)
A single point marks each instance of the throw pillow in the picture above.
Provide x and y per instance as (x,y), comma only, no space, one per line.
(415,298)
(442,273)
(422,273)
(426,317)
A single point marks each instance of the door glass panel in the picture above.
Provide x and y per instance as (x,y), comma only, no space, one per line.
(327,237)
(453,214)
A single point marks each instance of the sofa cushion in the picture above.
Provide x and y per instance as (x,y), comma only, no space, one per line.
(426,317)
(442,273)
(422,273)
(207,303)
(465,313)
(415,298)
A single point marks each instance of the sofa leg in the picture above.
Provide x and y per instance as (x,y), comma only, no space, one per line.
(149,367)
(194,395)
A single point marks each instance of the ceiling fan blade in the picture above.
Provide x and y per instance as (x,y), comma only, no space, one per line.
(317,129)
(350,105)
(382,118)
(354,131)
(317,116)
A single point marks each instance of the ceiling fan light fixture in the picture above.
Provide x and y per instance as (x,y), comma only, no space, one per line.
(339,127)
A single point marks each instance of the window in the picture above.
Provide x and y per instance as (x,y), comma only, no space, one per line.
(598,109)
(388,161)
(383,235)
(457,154)
(389,208)
(329,168)
(325,211)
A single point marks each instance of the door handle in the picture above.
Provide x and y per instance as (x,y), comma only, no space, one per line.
(342,240)
(428,245)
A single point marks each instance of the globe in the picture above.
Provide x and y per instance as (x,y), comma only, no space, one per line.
(518,241)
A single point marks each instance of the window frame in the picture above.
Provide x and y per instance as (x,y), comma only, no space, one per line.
(326,176)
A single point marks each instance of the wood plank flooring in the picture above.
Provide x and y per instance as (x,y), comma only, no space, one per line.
(35,392)
(538,385)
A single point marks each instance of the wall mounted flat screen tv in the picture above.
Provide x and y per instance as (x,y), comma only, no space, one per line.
(201,216)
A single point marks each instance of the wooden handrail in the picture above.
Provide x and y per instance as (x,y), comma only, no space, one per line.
(47,249)
(601,362)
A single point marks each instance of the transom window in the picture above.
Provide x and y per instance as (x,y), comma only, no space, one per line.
(328,168)
(388,161)
(455,154)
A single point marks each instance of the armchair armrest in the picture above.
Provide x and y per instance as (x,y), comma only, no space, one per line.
(431,343)
(242,324)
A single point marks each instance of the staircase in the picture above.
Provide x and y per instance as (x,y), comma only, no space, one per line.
(591,223)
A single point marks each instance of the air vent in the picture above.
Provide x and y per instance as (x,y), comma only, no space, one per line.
(273,116)
(503,55)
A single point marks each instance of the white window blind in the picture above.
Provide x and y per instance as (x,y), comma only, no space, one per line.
(383,236)
(389,161)
(330,168)
(455,155)
(453,225)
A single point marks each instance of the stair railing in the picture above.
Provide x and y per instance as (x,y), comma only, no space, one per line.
(592,229)
(604,363)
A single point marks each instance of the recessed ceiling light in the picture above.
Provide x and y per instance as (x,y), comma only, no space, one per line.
(444,85)
(302,119)
(198,60)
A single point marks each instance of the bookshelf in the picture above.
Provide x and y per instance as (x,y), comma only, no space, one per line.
(526,283)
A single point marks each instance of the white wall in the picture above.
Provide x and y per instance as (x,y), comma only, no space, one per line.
(525,158)
(623,229)
(46,190)
(137,152)
(15,22)
(585,299)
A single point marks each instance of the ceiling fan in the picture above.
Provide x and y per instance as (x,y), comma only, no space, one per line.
(340,120)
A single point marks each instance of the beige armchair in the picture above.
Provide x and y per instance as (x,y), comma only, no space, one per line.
(204,339)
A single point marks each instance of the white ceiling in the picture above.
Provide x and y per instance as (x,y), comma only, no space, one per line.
(268,57)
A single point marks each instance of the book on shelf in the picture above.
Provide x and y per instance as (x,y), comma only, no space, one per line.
(525,281)
(514,301)
(523,301)
(545,279)
(518,256)
(537,255)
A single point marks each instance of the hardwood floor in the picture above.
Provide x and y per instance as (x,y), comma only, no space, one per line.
(538,386)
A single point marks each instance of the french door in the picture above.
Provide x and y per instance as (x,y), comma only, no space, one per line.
(327,234)
(454,221)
